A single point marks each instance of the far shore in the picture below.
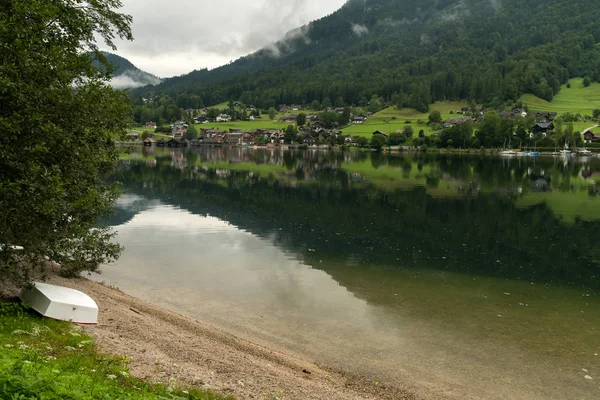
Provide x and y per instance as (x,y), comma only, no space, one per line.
(167,347)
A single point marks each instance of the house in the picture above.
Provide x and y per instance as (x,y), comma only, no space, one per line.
(545,128)
(201,119)
(233,138)
(288,118)
(179,125)
(464,110)
(133,136)
(223,118)
(150,125)
(591,137)
(359,119)
(449,123)
(310,141)
(149,142)
(348,140)
(380,133)
(296,107)
(177,143)
(178,133)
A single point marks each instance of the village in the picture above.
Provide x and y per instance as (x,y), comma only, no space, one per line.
(313,131)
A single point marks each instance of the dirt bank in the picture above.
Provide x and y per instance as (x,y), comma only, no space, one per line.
(164,346)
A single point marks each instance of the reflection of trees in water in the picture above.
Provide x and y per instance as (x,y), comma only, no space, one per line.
(337,215)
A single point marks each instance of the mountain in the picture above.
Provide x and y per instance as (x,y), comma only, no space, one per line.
(127,75)
(410,54)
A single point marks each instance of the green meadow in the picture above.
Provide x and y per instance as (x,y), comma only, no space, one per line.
(392,119)
(576,99)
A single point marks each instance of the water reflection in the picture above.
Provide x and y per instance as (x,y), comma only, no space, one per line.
(470,277)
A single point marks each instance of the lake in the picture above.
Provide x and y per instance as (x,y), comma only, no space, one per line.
(455,276)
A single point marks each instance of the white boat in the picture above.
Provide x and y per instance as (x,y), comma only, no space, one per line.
(583,153)
(61,303)
(508,153)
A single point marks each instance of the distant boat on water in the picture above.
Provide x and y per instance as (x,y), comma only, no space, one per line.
(583,153)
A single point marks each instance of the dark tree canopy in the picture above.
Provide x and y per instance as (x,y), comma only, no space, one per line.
(415,53)
(58,117)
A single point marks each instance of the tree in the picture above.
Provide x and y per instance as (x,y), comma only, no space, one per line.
(396,139)
(409,131)
(191,133)
(378,142)
(272,113)
(58,115)
(328,118)
(291,134)
(301,119)
(596,113)
(587,81)
(315,105)
(435,117)
(362,141)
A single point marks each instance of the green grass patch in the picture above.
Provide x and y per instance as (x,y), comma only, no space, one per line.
(46,359)
(392,119)
(576,99)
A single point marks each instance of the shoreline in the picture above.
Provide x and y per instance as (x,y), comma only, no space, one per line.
(166,347)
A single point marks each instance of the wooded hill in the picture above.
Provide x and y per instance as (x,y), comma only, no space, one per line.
(126,75)
(411,54)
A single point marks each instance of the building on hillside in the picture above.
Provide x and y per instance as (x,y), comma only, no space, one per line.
(150,125)
(591,137)
(288,118)
(380,133)
(544,128)
(359,120)
(133,136)
(149,142)
(449,123)
(223,118)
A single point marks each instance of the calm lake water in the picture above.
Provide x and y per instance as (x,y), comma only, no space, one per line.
(457,276)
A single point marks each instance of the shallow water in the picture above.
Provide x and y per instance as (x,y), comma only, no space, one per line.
(459,277)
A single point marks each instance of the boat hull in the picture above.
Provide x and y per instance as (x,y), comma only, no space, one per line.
(61,303)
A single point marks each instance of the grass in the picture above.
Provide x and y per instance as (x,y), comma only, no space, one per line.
(391,119)
(576,99)
(46,359)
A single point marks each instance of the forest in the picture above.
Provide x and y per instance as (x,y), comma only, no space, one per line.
(410,54)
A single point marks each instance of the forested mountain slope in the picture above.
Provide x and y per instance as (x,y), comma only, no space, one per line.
(412,53)
(126,75)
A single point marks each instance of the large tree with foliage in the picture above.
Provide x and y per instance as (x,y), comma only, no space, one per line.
(58,118)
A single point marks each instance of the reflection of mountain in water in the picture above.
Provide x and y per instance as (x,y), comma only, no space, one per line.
(332,217)
(126,207)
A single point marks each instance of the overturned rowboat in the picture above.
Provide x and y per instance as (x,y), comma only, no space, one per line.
(61,303)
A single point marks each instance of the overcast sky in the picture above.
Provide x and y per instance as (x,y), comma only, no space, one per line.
(173,37)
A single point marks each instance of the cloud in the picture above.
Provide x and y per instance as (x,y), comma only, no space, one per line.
(178,36)
(360,30)
(393,23)
(133,79)
(288,43)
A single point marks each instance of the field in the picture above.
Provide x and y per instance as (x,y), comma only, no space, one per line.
(391,119)
(577,99)
(264,123)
